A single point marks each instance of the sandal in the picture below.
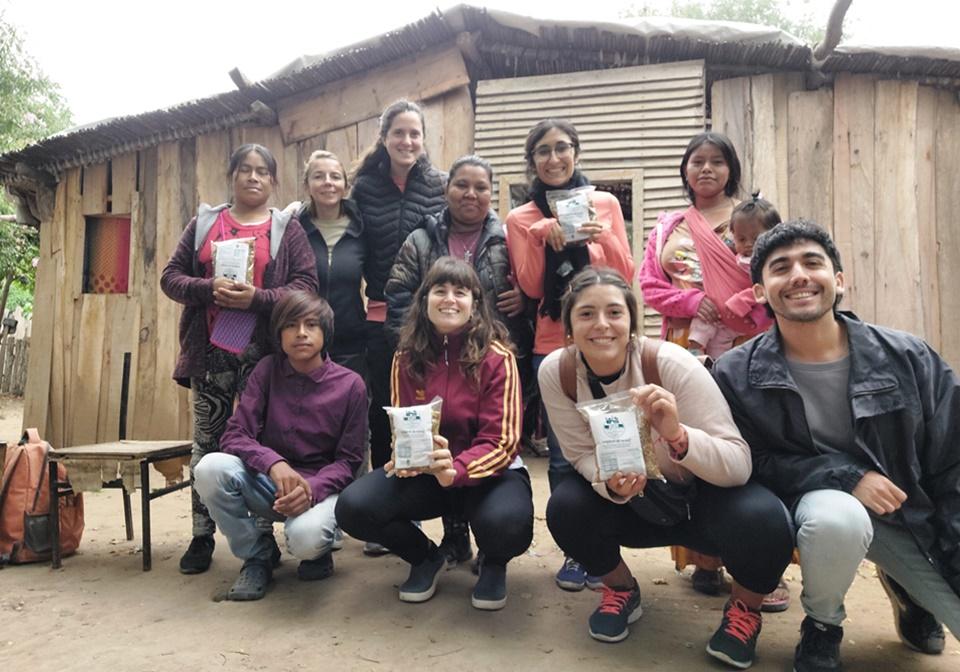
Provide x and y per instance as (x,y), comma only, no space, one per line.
(252,582)
(778,600)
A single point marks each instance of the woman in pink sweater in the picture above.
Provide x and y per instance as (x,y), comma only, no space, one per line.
(544,261)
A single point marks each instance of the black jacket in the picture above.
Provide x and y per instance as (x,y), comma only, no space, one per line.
(389,215)
(340,280)
(425,245)
(905,402)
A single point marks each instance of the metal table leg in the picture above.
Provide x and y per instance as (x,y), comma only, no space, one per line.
(127,513)
(145,512)
(55,561)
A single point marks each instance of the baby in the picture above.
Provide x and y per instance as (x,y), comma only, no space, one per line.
(749,219)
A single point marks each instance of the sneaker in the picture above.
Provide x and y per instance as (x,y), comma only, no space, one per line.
(274,552)
(916,627)
(373,549)
(819,647)
(778,600)
(199,555)
(455,547)
(572,575)
(421,584)
(316,569)
(477,562)
(707,581)
(490,593)
(735,641)
(617,609)
(255,575)
(337,539)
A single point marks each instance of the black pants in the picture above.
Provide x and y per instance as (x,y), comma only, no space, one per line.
(379,360)
(381,509)
(747,526)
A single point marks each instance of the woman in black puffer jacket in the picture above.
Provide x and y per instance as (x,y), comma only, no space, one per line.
(467,229)
(395,188)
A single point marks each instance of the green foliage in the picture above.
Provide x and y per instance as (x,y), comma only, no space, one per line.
(20,296)
(792,17)
(18,250)
(32,105)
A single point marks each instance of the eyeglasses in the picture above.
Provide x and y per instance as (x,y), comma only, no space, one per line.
(561,149)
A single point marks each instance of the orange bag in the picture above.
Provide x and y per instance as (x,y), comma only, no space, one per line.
(25,505)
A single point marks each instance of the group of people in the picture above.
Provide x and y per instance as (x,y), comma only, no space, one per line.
(814,431)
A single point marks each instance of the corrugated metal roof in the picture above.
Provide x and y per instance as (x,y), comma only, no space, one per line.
(510,45)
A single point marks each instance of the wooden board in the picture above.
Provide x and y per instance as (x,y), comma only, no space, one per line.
(166,418)
(663,72)
(853,162)
(947,179)
(36,403)
(145,382)
(89,368)
(899,300)
(343,143)
(291,169)
(213,156)
(810,156)
(123,182)
(95,189)
(347,101)
(783,85)
(926,199)
(731,115)
(763,162)
(123,323)
(457,129)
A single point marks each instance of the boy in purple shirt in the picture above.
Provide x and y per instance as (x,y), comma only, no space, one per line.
(293,443)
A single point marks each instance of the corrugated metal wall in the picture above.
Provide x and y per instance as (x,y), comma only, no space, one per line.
(634,124)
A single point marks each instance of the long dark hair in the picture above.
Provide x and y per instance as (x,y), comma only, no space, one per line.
(419,344)
(376,154)
(723,143)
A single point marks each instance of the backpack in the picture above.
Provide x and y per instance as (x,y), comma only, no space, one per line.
(25,505)
(663,503)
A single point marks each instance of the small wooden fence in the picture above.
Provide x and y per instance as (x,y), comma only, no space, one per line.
(13,365)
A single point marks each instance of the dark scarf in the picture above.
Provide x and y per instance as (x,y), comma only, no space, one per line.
(559,267)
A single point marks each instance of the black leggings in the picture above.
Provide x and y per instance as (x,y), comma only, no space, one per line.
(380,509)
(747,526)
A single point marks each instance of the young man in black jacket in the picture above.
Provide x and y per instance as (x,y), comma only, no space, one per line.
(857,428)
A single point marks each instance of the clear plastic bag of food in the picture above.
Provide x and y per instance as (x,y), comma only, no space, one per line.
(622,436)
(233,259)
(412,429)
(572,208)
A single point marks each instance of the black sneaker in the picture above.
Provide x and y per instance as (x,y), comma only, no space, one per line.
(707,581)
(819,647)
(617,609)
(490,593)
(422,581)
(916,627)
(735,641)
(199,555)
(455,547)
(316,569)
(274,552)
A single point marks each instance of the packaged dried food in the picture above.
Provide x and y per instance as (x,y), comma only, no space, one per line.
(621,433)
(572,208)
(412,429)
(233,259)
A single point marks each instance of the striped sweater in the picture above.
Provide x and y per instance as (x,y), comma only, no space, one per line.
(481,421)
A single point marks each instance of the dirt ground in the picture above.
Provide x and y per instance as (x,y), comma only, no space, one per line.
(101,612)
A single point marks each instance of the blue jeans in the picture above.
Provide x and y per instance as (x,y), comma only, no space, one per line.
(558,468)
(834,534)
(235,495)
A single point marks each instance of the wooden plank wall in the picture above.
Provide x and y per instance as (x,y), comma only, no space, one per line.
(878,163)
(75,371)
(638,118)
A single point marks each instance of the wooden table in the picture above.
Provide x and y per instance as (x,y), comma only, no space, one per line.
(143,452)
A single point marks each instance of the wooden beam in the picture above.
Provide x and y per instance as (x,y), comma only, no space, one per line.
(95,189)
(240,79)
(350,100)
(948,233)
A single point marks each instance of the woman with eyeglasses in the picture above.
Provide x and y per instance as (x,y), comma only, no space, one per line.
(544,261)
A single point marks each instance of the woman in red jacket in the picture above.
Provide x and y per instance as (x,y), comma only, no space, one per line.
(451,347)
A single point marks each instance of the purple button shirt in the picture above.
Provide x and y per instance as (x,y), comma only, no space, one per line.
(317,422)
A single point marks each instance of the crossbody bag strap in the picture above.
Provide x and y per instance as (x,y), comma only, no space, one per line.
(568,373)
(649,348)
